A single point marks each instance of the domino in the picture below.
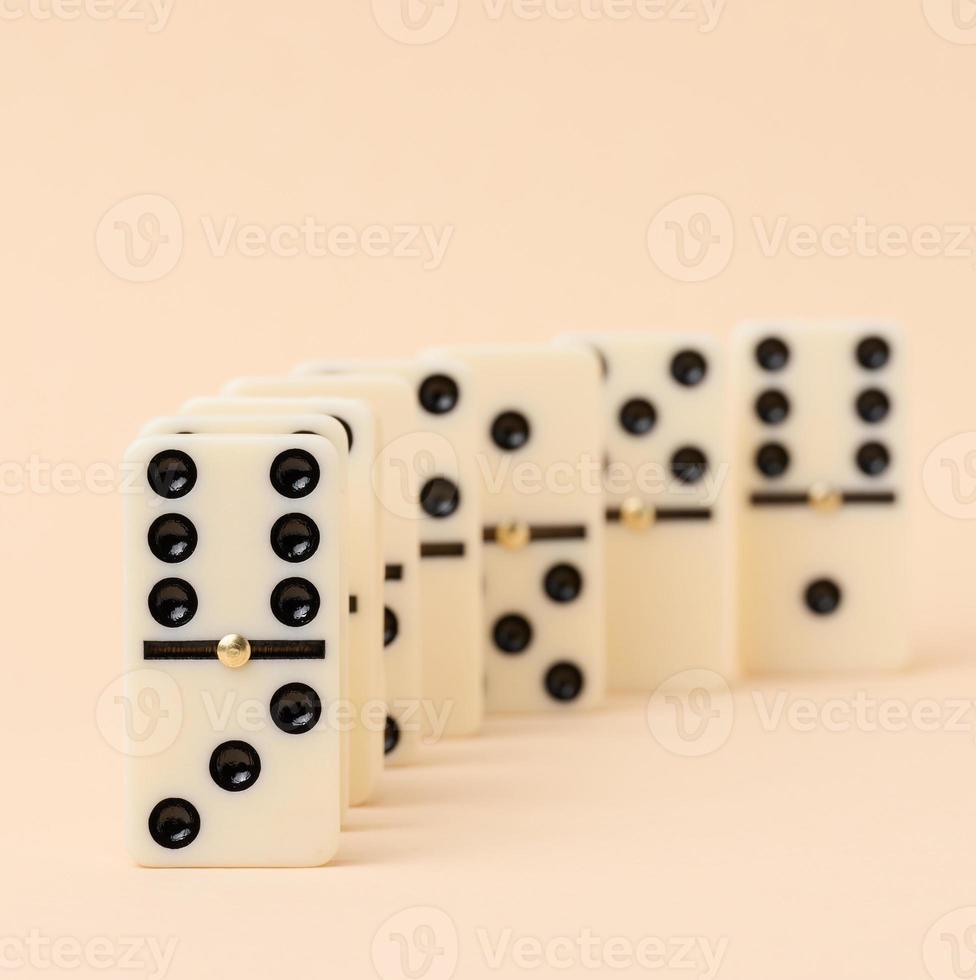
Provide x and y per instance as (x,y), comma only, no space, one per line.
(320,425)
(232,627)
(820,458)
(538,449)
(444,485)
(391,402)
(364,721)
(668,513)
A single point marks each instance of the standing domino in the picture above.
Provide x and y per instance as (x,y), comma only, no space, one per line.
(668,537)
(220,618)
(820,462)
(440,461)
(320,425)
(364,687)
(539,452)
(390,400)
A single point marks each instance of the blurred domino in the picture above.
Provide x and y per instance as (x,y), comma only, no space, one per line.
(219,619)
(821,465)
(538,448)
(441,487)
(668,536)
(364,685)
(391,401)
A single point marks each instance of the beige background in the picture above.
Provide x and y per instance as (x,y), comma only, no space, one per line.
(548,146)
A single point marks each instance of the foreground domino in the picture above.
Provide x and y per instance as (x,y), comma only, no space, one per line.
(668,537)
(315,424)
(390,400)
(820,460)
(539,453)
(441,465)
(364,689)
(218,610)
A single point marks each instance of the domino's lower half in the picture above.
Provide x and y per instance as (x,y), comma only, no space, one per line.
(669,602)
(401,625)
(451,610)
(544,619)
(256,794)
(823,592)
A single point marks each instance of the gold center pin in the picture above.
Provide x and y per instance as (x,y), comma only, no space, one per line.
(636,515)
(824,499)
(233,650)
(513,536)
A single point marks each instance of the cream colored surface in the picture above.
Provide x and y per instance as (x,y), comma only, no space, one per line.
(364,572)
(860,547)
(451,586)
(393,405)
(549,146)
(233,572)
(552,480)
(669,585)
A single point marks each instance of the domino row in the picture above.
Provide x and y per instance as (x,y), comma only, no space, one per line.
(325,569)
